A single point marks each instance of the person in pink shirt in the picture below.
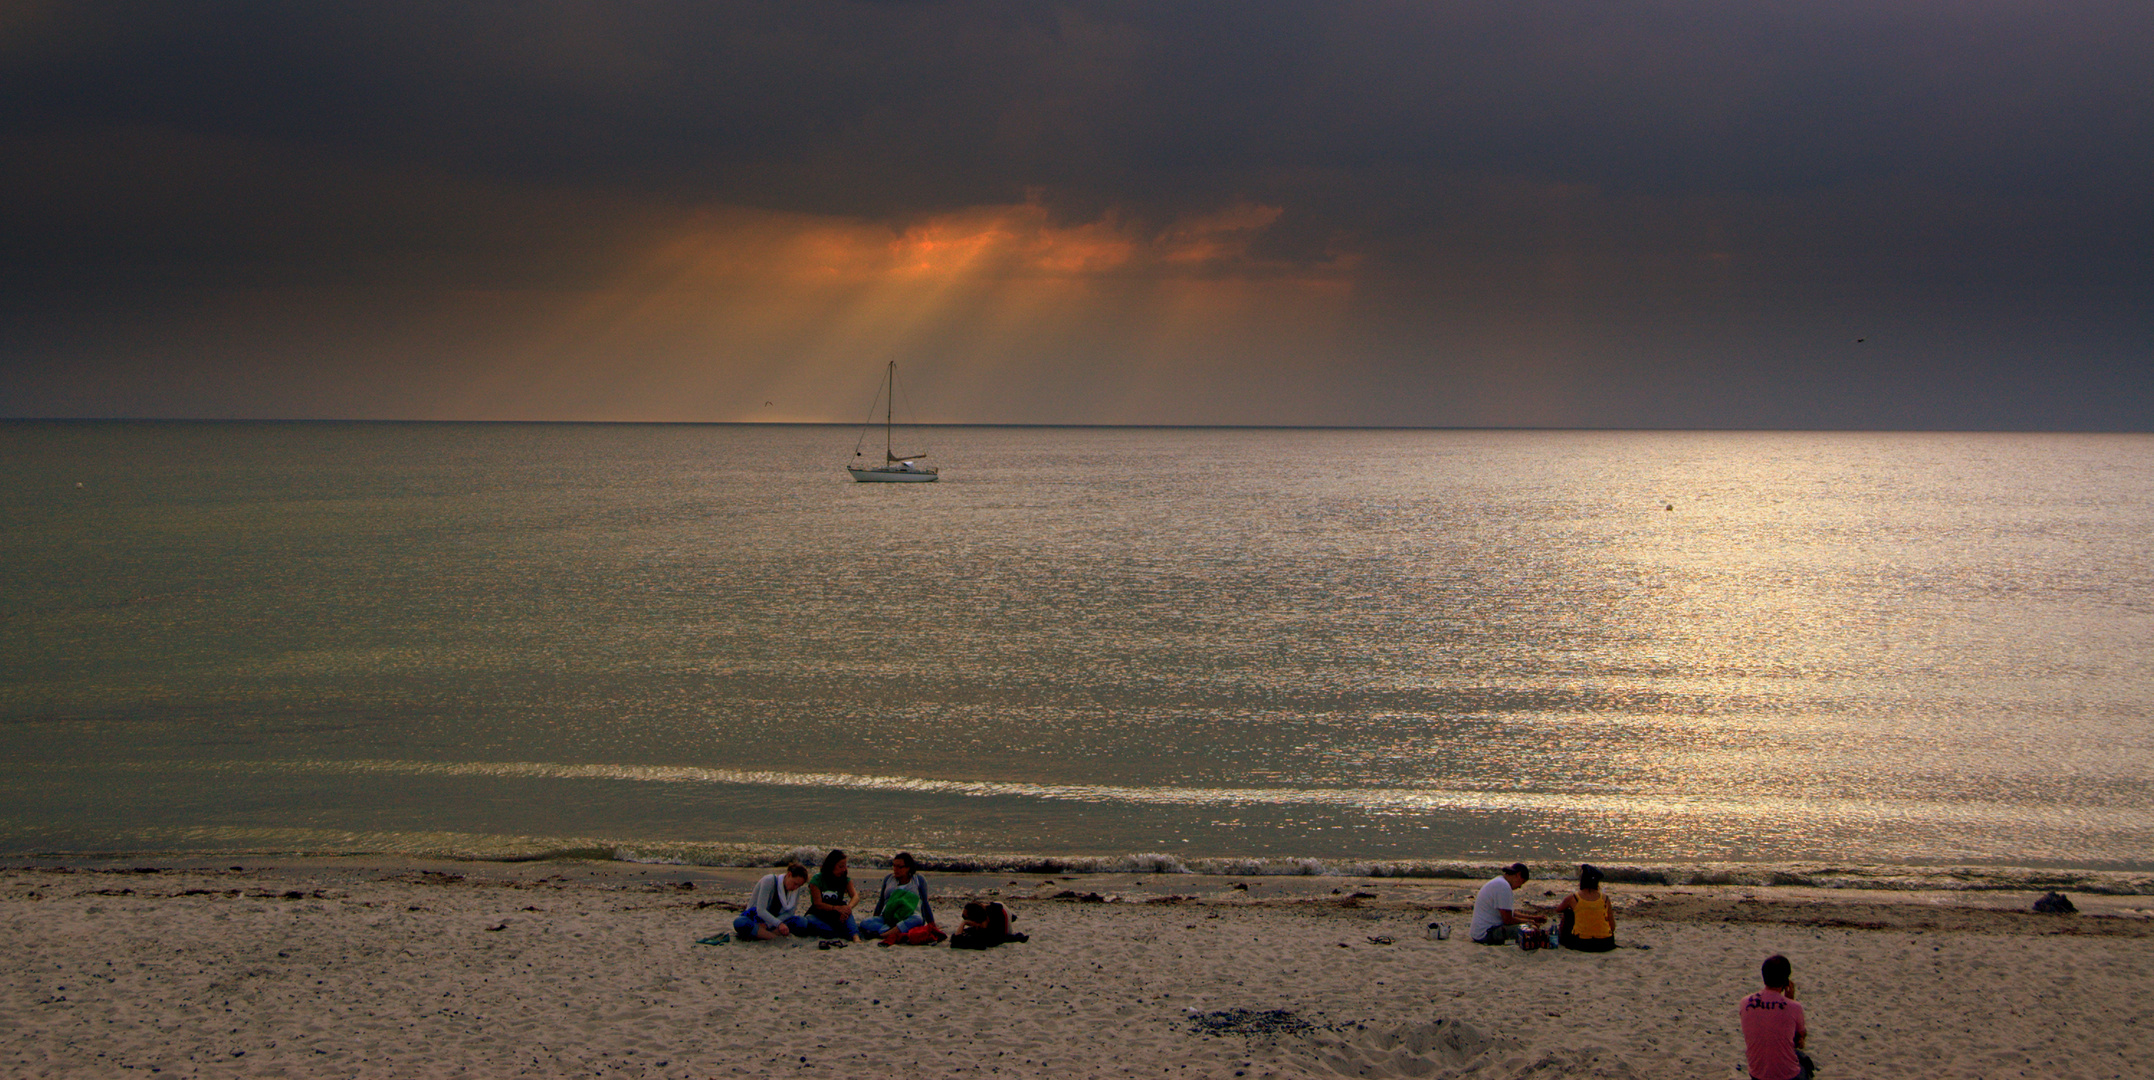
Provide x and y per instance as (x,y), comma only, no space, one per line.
(1773,1031)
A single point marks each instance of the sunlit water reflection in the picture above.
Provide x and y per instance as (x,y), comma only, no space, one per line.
(1336,645)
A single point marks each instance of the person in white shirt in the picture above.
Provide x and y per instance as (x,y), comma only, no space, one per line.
(1495,918)
(770,910)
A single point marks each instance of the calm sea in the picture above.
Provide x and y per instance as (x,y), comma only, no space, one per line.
(1222,649)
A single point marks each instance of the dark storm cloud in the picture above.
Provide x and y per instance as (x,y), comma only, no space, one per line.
(1781,165)
(914,106)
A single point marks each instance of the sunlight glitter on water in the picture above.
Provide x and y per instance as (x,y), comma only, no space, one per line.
(1427,644)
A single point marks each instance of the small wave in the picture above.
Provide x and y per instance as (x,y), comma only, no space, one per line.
(1882,878)
(1372,800)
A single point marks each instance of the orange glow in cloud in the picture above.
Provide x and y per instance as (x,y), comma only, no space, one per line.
(730,308)
(1008,240)
(1220,237)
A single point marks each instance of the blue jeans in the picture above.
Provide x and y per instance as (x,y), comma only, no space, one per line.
(820,926)
(746,926)
(875,927)
(1498,935)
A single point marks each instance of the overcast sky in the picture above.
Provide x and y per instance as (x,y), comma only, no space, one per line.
(1816,214)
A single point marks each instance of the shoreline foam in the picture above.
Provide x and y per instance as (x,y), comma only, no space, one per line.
(1865,876)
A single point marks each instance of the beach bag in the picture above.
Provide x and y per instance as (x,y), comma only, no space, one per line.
(922,935)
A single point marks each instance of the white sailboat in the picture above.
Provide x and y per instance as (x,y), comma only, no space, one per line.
(896,468)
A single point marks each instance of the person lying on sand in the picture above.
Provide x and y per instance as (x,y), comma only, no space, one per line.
(770,907)
(984,925)
(1494,920)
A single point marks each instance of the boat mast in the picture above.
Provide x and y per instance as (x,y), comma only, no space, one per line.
(889,411)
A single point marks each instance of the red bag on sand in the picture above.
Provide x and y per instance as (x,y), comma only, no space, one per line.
(923,935)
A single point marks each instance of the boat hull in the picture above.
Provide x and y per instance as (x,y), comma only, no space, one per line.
(892,476)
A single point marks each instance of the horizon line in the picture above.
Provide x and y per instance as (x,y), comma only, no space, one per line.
(1083,426)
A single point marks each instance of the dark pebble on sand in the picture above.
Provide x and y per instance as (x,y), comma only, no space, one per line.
(1252,1022)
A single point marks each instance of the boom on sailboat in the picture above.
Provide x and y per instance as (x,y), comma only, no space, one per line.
(896,468)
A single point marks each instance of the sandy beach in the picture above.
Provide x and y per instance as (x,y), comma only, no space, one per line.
(375,968)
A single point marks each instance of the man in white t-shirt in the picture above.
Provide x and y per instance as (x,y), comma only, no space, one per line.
(1495,922)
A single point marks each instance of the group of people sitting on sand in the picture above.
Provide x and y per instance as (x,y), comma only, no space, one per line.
(904,914)
(1587,919)
(1773,1025)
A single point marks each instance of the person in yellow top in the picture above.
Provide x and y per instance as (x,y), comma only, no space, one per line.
(1588,917)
